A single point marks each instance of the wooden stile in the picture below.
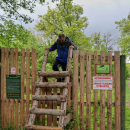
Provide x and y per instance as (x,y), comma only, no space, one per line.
(109,96)
(88,89)
(117,90)
(27,81)
(16,100)
(75,85)
(22,113)
(95,93)
(12,100)
(82,89)
(102,97)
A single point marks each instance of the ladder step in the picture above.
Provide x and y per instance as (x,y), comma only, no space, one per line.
(49,97)
(53,112)
(37,127)
(56,74)
(51,84)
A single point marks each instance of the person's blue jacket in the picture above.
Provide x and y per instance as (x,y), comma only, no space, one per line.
(62,49)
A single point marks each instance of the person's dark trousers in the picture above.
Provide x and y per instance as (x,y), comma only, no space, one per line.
(56,66)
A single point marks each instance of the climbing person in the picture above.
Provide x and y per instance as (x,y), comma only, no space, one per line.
(62,44)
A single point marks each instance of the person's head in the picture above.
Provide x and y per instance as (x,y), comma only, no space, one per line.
(62,37)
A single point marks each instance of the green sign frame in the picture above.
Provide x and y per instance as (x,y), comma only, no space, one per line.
(102,68)
(13,86)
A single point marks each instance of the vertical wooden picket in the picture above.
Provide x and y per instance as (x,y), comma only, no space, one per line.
(82,89)
(7,73)
(55,107)
(88,90)
(109,96)
(2,84)
(22,113)
(75,85)
(95,92)
(43,106)
(102,97)
(12,100)
(27,81)
(117,90)
(16,100)
(69,97)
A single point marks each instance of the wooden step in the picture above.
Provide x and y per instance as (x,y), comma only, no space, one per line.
(55,74)
(49,97)
(37,127)
(53,112)
(51,84)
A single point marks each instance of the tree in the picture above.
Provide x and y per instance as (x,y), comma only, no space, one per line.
(105,44)
(65,18)
(124,41)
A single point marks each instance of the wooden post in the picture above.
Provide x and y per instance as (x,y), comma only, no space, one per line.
(22,113)
(109,96)
(27,81)
(82,89)
(0,90)
(117,90)
(12,100)
(122,89)
(88,90)
(102,97)
(95,93)
(75,85)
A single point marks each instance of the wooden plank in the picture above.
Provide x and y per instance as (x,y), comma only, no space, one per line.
(81,89)
(36,127)
(102,97)
(109,96)
(12,100)
(22,112)
(54,112)
(65,90)
(38,90)
(34,65)
(55,107)
(51,84)
(2,84)
(69,97)
(75,85)
(16,100)
(98,57)
(117,90)
(49,97)
(95,93)
(57,74)
(27,81)
(88,89)
(67,119)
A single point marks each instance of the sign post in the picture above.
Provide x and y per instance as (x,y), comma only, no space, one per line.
(13,86)
(102,82)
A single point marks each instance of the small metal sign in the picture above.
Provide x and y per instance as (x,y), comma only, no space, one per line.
(13,86)
(102,68)
(13,70)
(102,82)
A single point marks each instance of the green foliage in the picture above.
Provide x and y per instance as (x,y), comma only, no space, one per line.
(124,41)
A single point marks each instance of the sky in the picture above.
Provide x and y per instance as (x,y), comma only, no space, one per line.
(101,14)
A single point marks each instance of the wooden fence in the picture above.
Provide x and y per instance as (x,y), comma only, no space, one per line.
(91,105)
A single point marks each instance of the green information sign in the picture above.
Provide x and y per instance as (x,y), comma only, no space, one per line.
(13,86)
(102,68)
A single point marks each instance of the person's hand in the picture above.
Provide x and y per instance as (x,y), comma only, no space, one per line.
(47,48)
(71,47)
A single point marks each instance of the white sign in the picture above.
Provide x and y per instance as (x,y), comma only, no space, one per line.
(102,82)
(13,70)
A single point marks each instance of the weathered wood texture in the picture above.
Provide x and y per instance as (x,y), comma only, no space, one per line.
(88,90)
(75,85)
(117,90)
(109,96)
(57,74)
(95,93)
